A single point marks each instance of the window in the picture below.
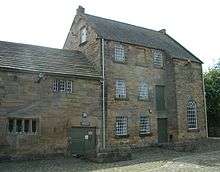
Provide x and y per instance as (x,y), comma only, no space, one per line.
(19,125)
(144,125)
(62,86)
(143,91)
(191,115)
(160,97)
(121,126)
(120,89)
(83,34)
(158,58)
(119,53)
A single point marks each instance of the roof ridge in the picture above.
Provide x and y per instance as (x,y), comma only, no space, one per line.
(124,23)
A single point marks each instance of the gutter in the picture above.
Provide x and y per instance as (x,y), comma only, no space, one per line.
(205,108)
(103,92)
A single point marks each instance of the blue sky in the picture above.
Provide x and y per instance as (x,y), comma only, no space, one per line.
(193,23)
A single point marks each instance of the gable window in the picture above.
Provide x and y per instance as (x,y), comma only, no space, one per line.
(144,125)
(83,34)
(121,126)
(62,86)
(20,125)
(120,89)
(158,58)
(143,91)
(119,53)
(191,115)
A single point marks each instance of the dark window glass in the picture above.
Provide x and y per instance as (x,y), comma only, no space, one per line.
(19,125)
(34,125)
(10,125)
(26,125)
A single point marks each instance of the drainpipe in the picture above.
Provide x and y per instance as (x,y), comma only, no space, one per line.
(103,92)
(205,109)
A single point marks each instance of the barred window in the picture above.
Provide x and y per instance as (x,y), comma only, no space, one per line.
(158,58)
(69,86)
(62,86)
(191,115)
(120,89)
(144,125)
(121,125)
(20,125)
(143,90)
(119,53)
(83,34)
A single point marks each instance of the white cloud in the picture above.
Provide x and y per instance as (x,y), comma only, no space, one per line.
(195,24)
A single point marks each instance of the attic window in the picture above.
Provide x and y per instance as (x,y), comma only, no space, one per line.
(83,34)
(158,58)
(119,53)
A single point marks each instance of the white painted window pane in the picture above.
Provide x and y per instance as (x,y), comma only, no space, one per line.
(158,58)
(191,115)
(120,89)
(69,86)
(62,85)
(143,90)
(55,85)
(119,53)
(83,34)
(121,125)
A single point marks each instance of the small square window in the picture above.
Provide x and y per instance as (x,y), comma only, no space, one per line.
(144,125)
(119,53)
(120,89)
(83,34)
(158,58)
(121,126)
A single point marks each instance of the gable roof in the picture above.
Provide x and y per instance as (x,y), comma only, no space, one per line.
(122,32)
(44,59)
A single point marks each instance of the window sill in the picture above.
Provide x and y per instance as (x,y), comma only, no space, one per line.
(121,136)
(193,130)
(83,43)
(146,134)
(120,62)
(23,133)
(121,98)
(143,99)
(142,65)
(159,67)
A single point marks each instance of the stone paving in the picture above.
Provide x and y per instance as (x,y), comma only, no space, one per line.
(205,158)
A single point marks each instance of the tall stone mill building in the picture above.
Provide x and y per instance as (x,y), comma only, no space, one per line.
(112,85)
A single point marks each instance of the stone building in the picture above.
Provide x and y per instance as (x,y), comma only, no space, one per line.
(113,84)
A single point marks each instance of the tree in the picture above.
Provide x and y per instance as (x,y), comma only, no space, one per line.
(212,87)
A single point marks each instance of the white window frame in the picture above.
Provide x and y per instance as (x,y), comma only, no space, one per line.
(120,89)
(56,85)
(121,128)
(158,58)
(62,86)
(83,35)
(192,115)
(119,53)
(143,90)
(144,124)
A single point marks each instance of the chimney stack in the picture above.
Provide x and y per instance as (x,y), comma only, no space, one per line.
(162,31)
(80,10)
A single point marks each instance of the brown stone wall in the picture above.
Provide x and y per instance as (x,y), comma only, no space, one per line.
(188,78)
(56,112)
(91,47)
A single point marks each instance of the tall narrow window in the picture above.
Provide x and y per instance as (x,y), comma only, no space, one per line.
(62,85)
(143,91)
(83,34)
(144,125)
(191,115)
(121,125)
(10,125)
(55,85)
(158,58)
(120,89)
(119,53)
(34,125)
(26,125)
(69,86)
(18,125)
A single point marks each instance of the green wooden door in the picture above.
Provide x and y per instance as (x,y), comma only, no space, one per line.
(82,140)
(162,130)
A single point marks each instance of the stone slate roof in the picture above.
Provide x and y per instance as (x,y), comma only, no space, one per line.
(44,59)
(122,32)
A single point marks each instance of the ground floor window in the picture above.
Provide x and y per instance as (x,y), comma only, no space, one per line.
(144,125)
(121,126)
(19,125)
(191,115)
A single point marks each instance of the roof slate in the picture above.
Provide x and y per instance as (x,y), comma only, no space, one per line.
(44,59)
(122,32)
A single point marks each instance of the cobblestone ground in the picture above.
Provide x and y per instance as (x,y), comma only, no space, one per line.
(205,158)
